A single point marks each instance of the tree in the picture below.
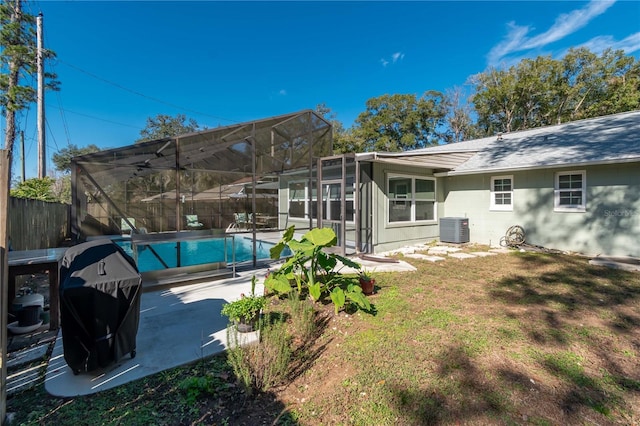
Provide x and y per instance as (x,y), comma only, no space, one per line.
(18,62)
(62,158)
(401,122)
(344,140)
(543,91)
(495,100)
(61,189)
(604,85)
(35,188)
(459,123)
(165,126)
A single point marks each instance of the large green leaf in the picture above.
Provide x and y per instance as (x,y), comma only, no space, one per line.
(348,262)
(288,234)
(301,247)
(275,251)
(315,291)
(326,262)
(278,283)
(324,237)
(338,298)
(359,298)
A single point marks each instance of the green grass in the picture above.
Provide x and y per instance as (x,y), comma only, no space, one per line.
(512,339)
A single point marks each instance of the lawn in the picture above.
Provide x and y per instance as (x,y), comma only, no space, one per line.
(519,338)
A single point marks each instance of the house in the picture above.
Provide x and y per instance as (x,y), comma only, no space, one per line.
(572,187)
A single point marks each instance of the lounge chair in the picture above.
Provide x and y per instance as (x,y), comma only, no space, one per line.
(240,221)
(192,221)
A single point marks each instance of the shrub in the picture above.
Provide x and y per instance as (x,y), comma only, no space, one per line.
(303,317)
(263,365)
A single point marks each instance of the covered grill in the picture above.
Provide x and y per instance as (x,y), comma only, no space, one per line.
(99,305)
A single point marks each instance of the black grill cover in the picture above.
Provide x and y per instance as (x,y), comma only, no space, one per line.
(99,305)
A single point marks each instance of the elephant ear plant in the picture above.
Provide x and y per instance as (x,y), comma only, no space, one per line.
(314,271)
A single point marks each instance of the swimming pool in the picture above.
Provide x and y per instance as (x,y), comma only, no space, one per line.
(160,256)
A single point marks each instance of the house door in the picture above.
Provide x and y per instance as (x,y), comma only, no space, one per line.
(332,207)
(336,204)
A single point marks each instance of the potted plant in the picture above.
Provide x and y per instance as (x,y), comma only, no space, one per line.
(367,282)
(245,311)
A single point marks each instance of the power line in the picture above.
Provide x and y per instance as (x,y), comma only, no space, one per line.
(64,119)
(119,86)
(95,118)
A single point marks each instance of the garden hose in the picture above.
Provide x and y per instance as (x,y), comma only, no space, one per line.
(514,237)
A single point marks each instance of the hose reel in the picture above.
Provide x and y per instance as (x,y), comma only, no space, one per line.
(514,237)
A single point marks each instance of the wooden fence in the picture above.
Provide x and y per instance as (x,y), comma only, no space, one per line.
(34,224)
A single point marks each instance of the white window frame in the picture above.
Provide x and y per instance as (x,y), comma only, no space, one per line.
(556,193)
(350,197)
(306,198)
(412,200)
(493,193)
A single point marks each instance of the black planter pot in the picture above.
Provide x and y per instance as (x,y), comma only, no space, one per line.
(247,325)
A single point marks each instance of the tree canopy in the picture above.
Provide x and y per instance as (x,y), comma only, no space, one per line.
(35,188)
(544,91)
(400,122)
(62,158)
(164,126)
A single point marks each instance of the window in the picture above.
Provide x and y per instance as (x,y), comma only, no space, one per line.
(332,203)
(299,201)
(502,193)
(570,191)
(411,199)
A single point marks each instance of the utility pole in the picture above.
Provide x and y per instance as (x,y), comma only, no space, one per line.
(42,157)
(24,175)
(5,160)
(5,179)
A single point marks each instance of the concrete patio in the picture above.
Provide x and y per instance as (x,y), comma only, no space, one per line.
(178,325)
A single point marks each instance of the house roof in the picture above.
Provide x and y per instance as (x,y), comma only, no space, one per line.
(438,161)
(603,140)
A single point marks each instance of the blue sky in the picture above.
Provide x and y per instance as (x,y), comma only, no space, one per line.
(226,62)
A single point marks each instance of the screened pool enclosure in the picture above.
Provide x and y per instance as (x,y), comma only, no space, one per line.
(210,184)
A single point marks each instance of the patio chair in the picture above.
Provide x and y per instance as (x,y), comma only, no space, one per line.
(192,221)
(241,220)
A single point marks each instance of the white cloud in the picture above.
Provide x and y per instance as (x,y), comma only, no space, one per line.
(599,44)
(567,23)
(510,44)
(282,92)
(395,57)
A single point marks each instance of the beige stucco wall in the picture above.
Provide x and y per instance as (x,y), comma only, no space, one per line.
(610,225)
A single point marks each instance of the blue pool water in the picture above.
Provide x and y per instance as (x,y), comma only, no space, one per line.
(196,252)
